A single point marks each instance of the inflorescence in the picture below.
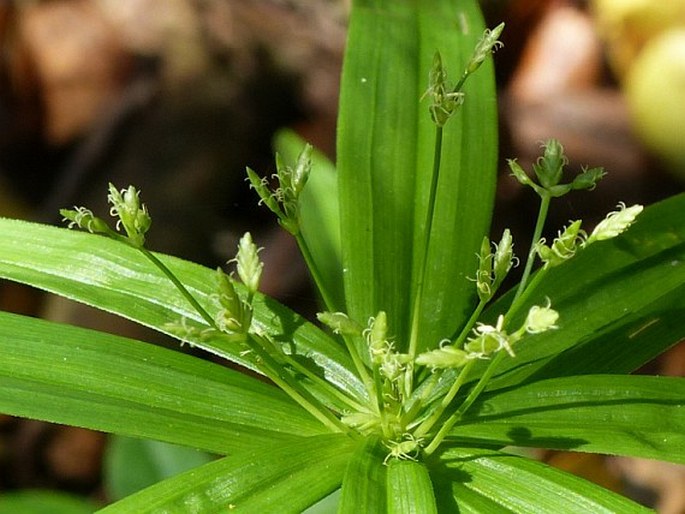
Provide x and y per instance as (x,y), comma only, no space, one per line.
(400,406)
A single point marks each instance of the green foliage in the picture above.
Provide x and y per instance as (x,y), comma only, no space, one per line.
(134,464)
(407,397)
(40,502)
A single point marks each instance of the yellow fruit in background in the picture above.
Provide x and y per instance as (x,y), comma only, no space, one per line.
(655,91)
(627,25)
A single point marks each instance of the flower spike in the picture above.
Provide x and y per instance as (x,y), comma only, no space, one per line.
(248,264)
(564,246)
(132,214)
(541,319)
(615,223)
(284,201)
(487,44)
(85,219)
(549,170)
(445,100)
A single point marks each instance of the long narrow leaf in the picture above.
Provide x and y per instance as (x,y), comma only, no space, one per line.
(132,464)
(29,501)
(624,346)
(116,278)
(364,484)
(80,377)
(466,184)
(385,164)
(410,490)
(639,416)
(286,478)
(491,481)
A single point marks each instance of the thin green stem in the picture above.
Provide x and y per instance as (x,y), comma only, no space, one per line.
(316,275)
(378,387)
(416,401)
(330,390)
(182,289)
(460,84)
(473,395)
(426,426)
(293,389)
(469,324)
(418,295)
(482,382)
(271,367)
(359,365)
(430,213)
(330,305)
(409,418)
(537,233)
(519,298)
(428,423)
(525,294)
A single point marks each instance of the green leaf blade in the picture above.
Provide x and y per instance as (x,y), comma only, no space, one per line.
(80,377)
(132,464)
(490,481)
(466,186)
(36,501)
(376,127)
(410,490)
(364,483)
(637,416)
(116,278)
(386,143)
(284,478)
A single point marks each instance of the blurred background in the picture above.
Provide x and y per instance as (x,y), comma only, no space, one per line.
(178,96)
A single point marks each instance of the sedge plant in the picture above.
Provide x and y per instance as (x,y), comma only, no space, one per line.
(419,374)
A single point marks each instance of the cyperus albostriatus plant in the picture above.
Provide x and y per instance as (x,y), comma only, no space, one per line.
(422,375)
